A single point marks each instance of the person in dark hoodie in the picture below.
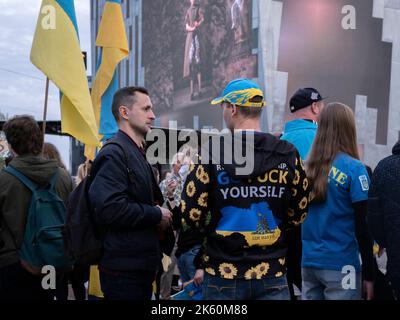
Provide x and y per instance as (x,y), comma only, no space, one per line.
(384,213)
(25,142)
(251,207)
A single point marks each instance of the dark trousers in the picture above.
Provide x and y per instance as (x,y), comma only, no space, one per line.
(77,277)
(18,284)
(293,260)
(122,285)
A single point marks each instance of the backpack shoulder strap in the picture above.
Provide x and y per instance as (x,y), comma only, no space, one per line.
(27,182)
(121,145)
(125,152)
(54,180)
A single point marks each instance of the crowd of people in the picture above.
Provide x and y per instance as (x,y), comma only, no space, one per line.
(310,221)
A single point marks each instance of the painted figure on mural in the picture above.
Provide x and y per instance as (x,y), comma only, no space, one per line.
(192,60)
(238,20)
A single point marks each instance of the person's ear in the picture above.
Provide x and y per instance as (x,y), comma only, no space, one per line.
(314,108)
(234,110)
(123,112)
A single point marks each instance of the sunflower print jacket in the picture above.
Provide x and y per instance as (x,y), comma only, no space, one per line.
(246,217)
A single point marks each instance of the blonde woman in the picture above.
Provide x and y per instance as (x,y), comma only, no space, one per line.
(335,232)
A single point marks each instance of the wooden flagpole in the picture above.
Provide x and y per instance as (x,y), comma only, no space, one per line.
(45,110)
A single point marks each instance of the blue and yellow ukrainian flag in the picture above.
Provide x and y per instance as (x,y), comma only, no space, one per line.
(56,52)
(257,224)
(113,44)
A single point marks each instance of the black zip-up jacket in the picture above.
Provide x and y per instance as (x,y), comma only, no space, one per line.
(246,215)
(125,207)
(384,212)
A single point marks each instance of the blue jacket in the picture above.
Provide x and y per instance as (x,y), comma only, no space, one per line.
(125,207)
(301,133)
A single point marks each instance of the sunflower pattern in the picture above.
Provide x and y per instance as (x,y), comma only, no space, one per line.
(210,271)
(200,171)
(191,168)
(237,271)
(305,184)
(202,201)
(303,203)
(252,273)
(227,270)
(302,165)
(195,214)
(262,269)
(190,189)
(300,195)
(183,205)
(202,175)
(296,178)
(194,202)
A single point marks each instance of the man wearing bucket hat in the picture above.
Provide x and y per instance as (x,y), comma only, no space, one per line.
(245,216)
(305,105)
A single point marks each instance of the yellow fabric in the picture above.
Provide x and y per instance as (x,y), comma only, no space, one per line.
(90,152)
(241,98)
(94,282)
(154,287)
(57,54)
(376,248)
(112,39)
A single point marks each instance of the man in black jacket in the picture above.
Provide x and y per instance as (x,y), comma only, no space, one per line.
(384,213)
(124,194)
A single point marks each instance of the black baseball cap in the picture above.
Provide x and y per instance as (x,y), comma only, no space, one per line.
(303,98)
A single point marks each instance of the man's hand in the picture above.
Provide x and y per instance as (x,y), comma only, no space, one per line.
(198,277)
(368,290)
(166,218)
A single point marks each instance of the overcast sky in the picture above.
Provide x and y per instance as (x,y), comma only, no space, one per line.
(22,85)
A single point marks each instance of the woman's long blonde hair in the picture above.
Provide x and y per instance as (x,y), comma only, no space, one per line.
(336,133)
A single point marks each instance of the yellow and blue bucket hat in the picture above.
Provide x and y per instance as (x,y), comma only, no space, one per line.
(240,92)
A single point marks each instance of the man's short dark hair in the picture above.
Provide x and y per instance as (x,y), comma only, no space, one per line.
(251,112)
(125,97)
(24,135)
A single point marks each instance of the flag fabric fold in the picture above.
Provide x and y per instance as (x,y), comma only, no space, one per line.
(56,52)
(113,43)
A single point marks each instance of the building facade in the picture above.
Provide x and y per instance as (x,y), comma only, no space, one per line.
(359,66)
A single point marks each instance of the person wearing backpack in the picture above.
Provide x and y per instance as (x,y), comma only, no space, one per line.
(25,140)
(123,194)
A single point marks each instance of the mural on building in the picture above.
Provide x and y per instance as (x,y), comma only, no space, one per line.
(190,50)
(308,46)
